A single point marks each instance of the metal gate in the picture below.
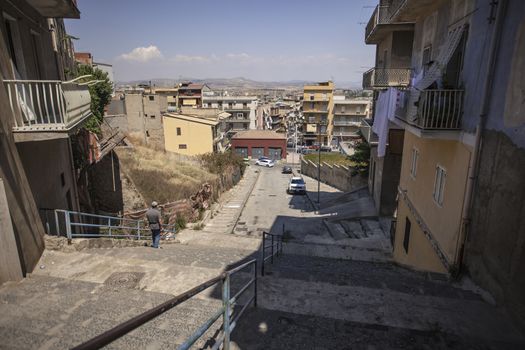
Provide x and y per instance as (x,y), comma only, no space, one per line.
(274,153)
(242,151)
(257,152)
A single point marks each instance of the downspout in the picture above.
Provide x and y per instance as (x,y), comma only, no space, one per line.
(474,159)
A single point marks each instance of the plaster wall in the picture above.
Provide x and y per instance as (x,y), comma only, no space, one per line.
(197,137)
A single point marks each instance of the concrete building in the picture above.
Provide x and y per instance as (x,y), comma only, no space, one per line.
(40,114)
(243,110)
(190,94)
(190,135)
(257,143)
(84,58)
(461,182)
(106,68)
(348,114)
(318,103)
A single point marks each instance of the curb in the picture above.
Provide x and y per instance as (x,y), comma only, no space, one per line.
(238,216)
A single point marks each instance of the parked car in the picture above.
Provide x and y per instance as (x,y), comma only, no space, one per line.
(296,185)
(287,169)
(265,162)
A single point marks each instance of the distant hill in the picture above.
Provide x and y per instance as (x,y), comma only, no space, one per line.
(240,83)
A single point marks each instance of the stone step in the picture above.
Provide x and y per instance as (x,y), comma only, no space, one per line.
(349,250)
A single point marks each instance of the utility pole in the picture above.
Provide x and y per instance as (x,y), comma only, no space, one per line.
(319,164)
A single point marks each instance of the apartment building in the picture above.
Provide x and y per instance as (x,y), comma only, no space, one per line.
(40,115)
(348,114)
(190,94)
(460,194)
(318,103)
(242,110)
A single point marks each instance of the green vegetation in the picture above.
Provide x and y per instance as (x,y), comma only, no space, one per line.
(100,95)
(180,223)
(330,158)
(217,163)
(361,158)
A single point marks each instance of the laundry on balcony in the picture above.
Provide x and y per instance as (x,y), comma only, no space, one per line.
(385,112)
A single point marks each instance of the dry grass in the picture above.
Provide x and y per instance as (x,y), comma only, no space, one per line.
(164,177)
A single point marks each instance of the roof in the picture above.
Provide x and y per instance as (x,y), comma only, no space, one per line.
(229,98)
(259,134)
(192,118)
(192,86)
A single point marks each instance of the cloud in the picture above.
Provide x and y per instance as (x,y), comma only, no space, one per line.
(142,54)
(238,56)
(193,59)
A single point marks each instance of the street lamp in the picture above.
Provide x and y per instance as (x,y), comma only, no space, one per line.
(319,124)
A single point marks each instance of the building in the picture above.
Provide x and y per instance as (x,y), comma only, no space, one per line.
(190,94)
(257,143)
(41,112)
(106,68)
(347,116)
(190,135)
(318,102)
(171,96)
(243,110)
(84,58)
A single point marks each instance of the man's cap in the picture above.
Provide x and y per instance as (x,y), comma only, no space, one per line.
(154,204)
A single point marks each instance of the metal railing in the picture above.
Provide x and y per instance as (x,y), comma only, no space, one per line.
(366,131)
(386,77)
(47,105)
(73,224)
(275,247)
(379,16)
(347,122)
(440,109)
(230,318)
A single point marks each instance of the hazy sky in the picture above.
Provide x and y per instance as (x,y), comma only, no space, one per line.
(265,40)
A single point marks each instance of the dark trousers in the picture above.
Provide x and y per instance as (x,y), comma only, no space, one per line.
(155,236)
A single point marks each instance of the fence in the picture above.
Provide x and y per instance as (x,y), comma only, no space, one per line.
(73,224)
(230,319)
(275,247)
(440,109)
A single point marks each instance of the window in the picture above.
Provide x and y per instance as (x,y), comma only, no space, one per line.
(406,239)
(183,146)
(35,46)
(312,105)
(179,132)
(312,97)
(152,98)
(240,116)
(342,109)
(427,58)
(413,166)
(245,105)
(311,119)
(439,184)
(358,110)
(62,179)
(152,116)
(14,46)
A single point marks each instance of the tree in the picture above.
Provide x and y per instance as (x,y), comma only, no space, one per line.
(100,95)
(361,158)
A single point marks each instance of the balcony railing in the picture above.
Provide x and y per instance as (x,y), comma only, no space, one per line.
(379,16)
(366,131)
(315,110)
(56,8)
(346,123)
(47,105)
(381,78)
(440,110)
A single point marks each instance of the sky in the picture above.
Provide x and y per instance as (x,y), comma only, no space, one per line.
(265,40)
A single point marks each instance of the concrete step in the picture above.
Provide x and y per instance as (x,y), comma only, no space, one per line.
(349,250)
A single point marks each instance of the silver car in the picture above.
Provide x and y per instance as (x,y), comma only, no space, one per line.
(296,185)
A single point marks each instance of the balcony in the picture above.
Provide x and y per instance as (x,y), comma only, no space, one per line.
(51,108)
(381,24)
(382,78)
(315,110)
(366,130)
(345,133)
(346,123)
(56,8)
(410,10)
(437,110)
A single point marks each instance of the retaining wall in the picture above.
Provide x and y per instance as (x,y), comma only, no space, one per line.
(335,175)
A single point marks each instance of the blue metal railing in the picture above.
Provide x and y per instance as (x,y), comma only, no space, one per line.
(74,224)
(230,318)
(275,247)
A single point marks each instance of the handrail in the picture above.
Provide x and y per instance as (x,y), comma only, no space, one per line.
(276,242)
(226,311)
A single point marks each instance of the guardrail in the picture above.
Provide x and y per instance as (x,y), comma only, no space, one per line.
(276,248)
(230,319)
(379,16)
(386,77)
(366,131)
(440,109)
(75,224)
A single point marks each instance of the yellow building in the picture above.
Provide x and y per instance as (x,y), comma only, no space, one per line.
(318,104)
(189,135)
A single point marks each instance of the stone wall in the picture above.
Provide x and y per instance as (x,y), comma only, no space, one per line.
(337,176)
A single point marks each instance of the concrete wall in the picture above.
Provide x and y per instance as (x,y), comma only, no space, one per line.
(48,165)
(260,143)
(337,176)
(495,246)
(153,111)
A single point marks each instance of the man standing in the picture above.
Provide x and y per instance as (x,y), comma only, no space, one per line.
(153,216)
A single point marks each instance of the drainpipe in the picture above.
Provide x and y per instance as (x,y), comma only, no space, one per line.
(474,159)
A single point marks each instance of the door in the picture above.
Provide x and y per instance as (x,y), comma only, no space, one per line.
(257,152)
(274,153)
(242,151)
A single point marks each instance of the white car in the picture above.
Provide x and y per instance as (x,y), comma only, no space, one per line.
(296,185)
(265,162)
